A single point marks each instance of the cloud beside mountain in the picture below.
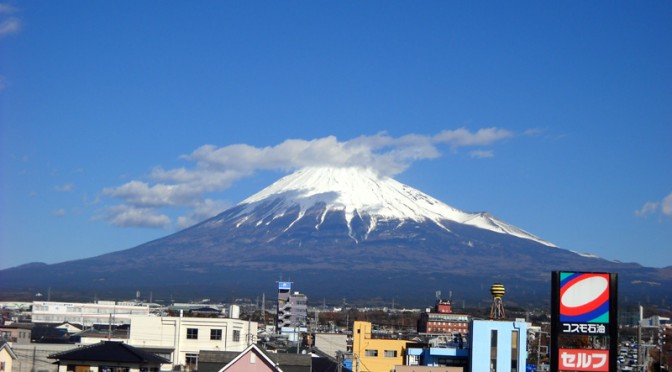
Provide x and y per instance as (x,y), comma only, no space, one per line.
(215,169)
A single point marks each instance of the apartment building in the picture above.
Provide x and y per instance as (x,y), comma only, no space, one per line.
(180,339)
(86,314)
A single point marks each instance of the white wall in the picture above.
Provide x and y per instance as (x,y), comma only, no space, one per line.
(86,314)
(171,332)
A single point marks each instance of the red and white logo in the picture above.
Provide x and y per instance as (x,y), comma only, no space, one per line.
(583,360)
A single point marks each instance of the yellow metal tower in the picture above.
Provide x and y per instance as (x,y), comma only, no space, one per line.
(497,310)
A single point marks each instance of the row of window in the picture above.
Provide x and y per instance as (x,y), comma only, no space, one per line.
(444,330)
(215,334)
(386,354)
(95,310)
(448,317)
(87,319)
(450,323)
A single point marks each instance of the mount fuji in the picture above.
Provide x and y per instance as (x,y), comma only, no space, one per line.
(338,232)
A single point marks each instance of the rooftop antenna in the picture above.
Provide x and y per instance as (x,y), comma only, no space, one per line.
(438,295)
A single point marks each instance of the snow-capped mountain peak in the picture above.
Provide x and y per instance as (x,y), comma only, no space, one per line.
(359,191)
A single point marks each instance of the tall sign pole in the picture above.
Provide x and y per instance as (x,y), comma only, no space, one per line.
(584,321)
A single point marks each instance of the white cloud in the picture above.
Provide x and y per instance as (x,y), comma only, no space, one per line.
(482,154)
(141,194)
(215,169)
(667,205)
(533,132)
(204,210)
(463,137)
(649,208)
(9,26)
(129,216)
(68,187)
(7,9)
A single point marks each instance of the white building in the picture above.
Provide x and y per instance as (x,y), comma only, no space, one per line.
(184,337)
(101,312)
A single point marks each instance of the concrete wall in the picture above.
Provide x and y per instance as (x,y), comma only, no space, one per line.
(330,343)
(33,357)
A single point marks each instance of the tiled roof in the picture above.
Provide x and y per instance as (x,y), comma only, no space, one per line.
(110,351)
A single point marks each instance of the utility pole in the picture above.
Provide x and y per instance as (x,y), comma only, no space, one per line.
(339,360)
(263,309)
(109,328)
(639,339)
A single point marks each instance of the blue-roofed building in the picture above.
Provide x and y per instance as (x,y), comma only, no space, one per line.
(449,355)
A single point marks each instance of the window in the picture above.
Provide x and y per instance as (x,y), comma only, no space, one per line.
(191,360)
(493,350)
(370,353)
(390,354)
(112,369)
(514,351)
(236,335)
(215,334)
(192,333)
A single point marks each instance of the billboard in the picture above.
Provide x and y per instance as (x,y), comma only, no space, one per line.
(584,303)
(584,319)
(285,285)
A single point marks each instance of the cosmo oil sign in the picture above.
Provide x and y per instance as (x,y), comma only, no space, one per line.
(584,303)
(584,321)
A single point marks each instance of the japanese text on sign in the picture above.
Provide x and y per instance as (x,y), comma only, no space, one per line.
(584,360)
(584,329)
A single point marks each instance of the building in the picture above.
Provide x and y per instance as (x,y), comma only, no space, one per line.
(180,339)
(292,307)
(16,333)
(7,357)
(498,346)
(69,328)
(439,352)
(254,358)
(442,321)
(370,354)
(85,314)
(331,343)
(491,346)
(35,357)
(108,356)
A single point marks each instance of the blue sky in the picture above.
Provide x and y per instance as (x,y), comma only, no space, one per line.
(121,122)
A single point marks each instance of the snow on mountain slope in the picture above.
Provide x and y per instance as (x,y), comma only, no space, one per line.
(359,191)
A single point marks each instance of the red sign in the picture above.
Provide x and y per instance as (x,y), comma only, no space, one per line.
(583,360)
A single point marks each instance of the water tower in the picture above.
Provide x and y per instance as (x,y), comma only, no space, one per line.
(497,310)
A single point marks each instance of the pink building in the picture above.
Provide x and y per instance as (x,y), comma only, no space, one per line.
(251,359)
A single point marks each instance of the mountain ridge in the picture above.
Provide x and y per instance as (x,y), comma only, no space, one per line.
(305,229)
(360,190)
